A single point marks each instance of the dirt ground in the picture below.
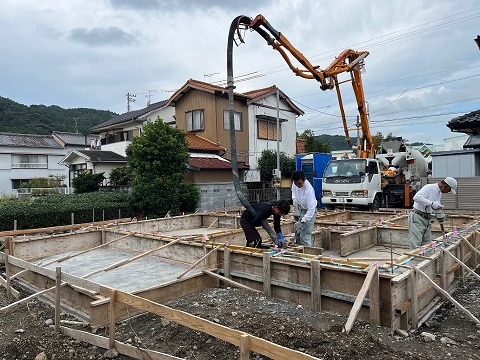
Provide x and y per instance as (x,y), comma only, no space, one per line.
(25,332)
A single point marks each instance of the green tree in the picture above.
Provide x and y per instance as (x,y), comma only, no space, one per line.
(158,159)
(268,161)
(87,182)
(313,144)
(121,176)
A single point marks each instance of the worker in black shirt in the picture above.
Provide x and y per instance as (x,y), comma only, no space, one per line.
(263,211)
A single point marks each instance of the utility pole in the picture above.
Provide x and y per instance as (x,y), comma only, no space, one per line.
(148,95)
(130,98)
(279,175)
(358,136)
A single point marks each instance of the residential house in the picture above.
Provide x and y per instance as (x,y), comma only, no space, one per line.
(262,116)
(25,156)
(92,161)
(211,172)
(465,162)
(204,109)
(118,132)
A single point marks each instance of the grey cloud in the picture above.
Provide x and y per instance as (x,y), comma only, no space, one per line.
(179,5)
(102,36)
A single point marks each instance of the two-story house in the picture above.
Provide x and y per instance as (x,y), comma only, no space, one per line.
(24,157)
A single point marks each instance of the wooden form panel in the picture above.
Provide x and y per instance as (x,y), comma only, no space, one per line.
(164,224)
(98,310)
(35,248)
(357,240)
(398,236)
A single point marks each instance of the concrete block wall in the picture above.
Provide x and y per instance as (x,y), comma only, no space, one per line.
(217,196)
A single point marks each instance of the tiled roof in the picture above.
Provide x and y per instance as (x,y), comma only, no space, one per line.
(101,156)
(196,142)
(200,85)
(468,123)
(206,161)
(74,138)
(28,140)
(132,115)
(255,95)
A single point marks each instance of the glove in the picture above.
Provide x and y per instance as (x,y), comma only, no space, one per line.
(299,226)
(281,240)
(436,205)
(440,215)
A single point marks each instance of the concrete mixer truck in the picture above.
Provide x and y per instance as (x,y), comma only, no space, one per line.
(389,180)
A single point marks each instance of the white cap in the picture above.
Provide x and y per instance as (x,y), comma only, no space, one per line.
(450,181)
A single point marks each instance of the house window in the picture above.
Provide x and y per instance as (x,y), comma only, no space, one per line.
(20,161)
(237,118)
(194,120)
(267,130)
(16,183)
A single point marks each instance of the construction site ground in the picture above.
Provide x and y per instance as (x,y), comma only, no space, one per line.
(26,330)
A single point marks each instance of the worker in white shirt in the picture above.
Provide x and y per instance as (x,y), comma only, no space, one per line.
(425,203)
(304,200)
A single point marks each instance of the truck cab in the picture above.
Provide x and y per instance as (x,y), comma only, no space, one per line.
(352,183)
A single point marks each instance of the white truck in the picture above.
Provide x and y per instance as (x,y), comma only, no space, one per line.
(389,180)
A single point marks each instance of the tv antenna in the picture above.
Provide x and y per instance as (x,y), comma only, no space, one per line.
(210,76)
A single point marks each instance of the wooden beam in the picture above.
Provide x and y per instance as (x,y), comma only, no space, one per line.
(226,262)
(234,283)
(447,295)
(122,348)
(7,272)
(470,245)
(198,261)
(232,336)
(62,228)
(462,264)
(5,308)
(359,300)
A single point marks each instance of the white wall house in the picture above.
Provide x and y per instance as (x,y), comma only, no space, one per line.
(24,157)
(117,133)
(262,126)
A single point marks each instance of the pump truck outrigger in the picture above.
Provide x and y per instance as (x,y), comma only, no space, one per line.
(364,189)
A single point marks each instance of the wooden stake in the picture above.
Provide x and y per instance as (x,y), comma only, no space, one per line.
(112,318)
(7,273)
(414,299)
(244,351)
(58,282)
(267,275)
(447,295)
(374,296)
(316,294)
(226,262)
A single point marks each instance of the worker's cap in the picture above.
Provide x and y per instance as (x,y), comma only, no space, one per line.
(450,181)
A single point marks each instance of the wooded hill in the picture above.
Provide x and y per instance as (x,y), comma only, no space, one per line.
(42,120)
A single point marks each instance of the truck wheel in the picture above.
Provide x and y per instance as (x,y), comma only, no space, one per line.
(376,204)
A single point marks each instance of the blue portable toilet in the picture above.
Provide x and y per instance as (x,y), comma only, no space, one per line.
(314,165)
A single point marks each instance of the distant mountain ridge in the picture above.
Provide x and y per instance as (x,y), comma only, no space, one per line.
(336,142)
(42,120)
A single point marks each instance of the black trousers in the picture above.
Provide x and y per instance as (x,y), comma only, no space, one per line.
(251,233)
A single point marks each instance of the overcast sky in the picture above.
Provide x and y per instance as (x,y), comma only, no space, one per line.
(423,68)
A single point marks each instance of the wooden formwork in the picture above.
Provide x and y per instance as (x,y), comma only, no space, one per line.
(302,276)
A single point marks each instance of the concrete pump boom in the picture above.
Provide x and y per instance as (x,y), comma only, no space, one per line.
(349,61)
